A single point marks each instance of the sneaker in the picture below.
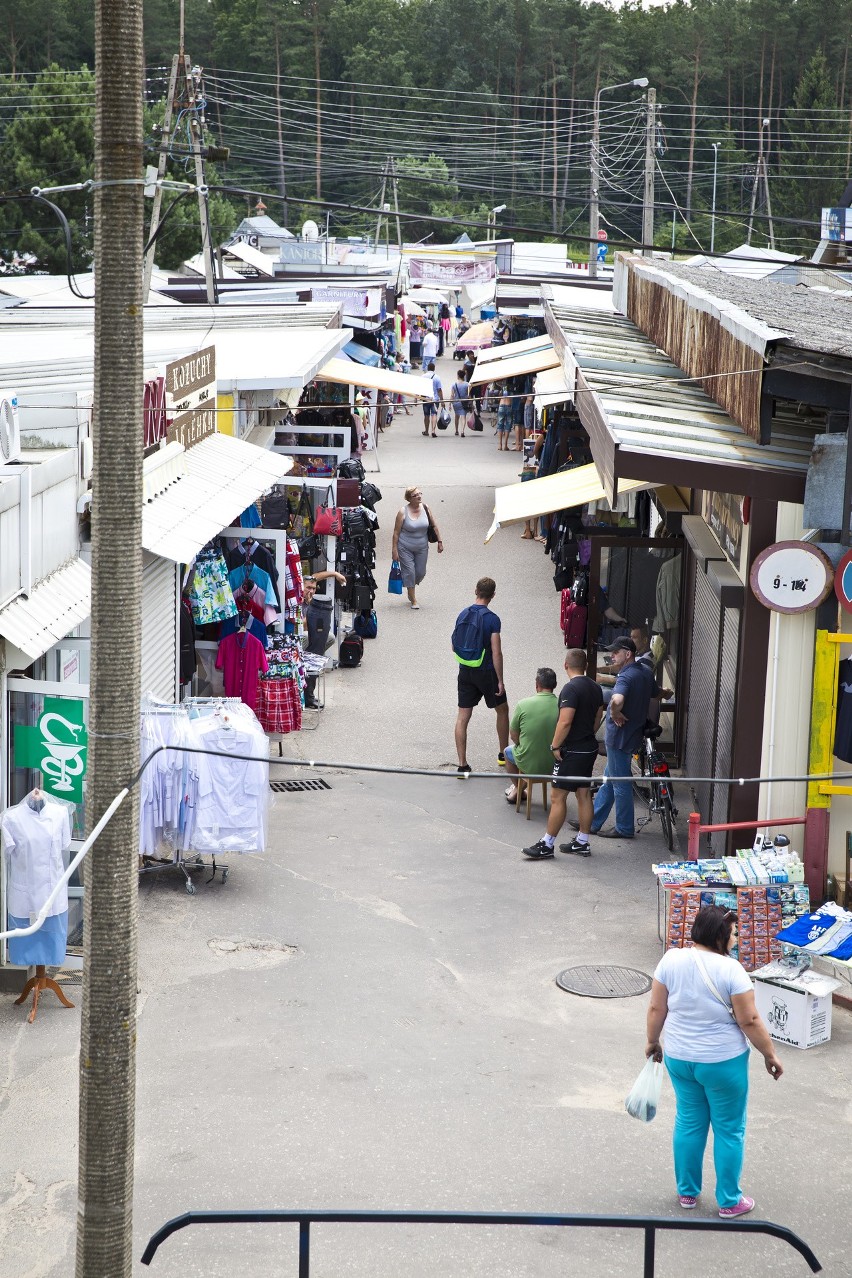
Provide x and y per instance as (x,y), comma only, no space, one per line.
(742,1208)
(538,852)
(575,848)
(501,760)
(687,1201)
(464,769)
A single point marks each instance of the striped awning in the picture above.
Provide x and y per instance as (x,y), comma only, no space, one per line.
(55,606)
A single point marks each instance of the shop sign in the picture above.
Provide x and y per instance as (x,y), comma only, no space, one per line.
(57,747)
(451,273)
(724,513)
(154,418)
(69,664)
(791,576)
(190,428)
(191,381)
(354,302)
(843,582)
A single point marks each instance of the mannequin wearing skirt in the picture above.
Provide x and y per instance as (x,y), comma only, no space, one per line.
(36,832)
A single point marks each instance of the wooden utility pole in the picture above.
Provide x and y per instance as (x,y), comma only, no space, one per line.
(108,1023)
(382,203)
(184,94)
(395,189)
(650,167)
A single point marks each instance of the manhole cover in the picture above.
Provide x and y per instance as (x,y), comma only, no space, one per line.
(604,982)
(289,787)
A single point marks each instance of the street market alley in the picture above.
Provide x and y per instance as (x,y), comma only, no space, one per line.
(366,1016)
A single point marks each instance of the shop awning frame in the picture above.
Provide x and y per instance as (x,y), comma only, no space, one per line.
(203,490)
(537,497)
(385,379)
(55,606)
(647,420)
(508,350)
(515,365)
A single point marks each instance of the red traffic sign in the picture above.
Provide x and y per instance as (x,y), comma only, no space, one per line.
(843,582)
(602,235)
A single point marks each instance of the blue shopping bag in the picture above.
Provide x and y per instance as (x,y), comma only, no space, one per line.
(395,578)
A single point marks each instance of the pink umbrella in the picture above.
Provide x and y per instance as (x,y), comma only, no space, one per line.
(477,337)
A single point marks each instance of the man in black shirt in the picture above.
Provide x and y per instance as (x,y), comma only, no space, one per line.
(575,749)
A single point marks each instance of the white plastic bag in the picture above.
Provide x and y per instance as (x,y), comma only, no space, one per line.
(645,1093)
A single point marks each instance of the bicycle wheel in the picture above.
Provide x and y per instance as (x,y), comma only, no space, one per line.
(641,788)
(665,805)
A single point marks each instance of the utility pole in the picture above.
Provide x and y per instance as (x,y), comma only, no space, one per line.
(715,146)
(381,203)
(396,203)
(185,94)
(650,168)
(757,172)
(282,176)
(108,1028)
(768,203)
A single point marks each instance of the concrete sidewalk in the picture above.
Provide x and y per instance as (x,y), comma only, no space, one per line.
(366,1014)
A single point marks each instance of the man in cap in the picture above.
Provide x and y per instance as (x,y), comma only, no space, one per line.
(635,685)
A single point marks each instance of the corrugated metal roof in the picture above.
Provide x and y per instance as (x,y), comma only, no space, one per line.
(221,477)
(55,607)
(660,424)
(515,365)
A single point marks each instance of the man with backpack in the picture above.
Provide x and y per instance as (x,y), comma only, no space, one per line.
(477,649)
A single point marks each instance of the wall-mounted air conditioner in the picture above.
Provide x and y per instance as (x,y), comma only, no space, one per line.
(10,430)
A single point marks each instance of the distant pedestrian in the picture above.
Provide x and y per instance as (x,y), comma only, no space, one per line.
(460,401)
(702,1000)
(575,748)
(531,729)
(477,648)
(504,421)
(410,544)
(430,347)
(627,714)
(443,328)
(430,406)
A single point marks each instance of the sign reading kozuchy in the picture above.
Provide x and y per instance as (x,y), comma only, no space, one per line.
(191,381)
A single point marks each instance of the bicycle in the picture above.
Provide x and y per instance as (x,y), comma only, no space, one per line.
(652,783)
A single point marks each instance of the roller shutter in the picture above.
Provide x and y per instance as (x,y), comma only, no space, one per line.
(159,628)
(728,670)
(699,755)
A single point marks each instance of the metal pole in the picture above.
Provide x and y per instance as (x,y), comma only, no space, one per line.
(650,1240)
(107,1068)
(768,204)
(594,192)
(648,200)
(304,1248)
(715,146)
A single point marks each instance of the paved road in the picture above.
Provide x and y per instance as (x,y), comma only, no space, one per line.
(366,1015)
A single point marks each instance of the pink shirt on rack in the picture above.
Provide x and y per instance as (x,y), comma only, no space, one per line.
(241,659)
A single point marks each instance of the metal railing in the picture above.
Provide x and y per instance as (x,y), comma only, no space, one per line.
(650,1226)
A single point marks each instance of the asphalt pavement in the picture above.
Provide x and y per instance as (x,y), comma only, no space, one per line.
(366,1015)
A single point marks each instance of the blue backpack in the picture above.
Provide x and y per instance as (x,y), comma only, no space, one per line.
(469,639)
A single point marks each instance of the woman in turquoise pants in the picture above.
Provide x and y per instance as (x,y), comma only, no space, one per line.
(705,1001)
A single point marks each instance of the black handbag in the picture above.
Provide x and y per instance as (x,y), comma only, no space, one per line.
(275,511)
(351,469)
(355,523)
(563,578)
(370,494)
(432,532)
(310,547)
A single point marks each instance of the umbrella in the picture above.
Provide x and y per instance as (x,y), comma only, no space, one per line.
(429,295)
(477,337)
(411,307)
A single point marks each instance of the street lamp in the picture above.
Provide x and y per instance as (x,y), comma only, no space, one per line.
(715,146)
(594,191)
(492,220)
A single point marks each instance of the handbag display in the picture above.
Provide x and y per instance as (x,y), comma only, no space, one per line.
(329,519)
(432,532)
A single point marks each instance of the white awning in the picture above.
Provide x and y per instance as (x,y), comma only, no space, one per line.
(252,257)
(349,374)
(55,607)
(510,349)
(550,387)
(517,366)
(210,487)
(555,492)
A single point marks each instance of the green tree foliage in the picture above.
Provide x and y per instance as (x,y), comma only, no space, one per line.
(501,90)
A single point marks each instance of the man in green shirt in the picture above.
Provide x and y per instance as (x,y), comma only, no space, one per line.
(531,730)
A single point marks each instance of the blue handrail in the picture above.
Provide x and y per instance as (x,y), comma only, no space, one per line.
(649,1224)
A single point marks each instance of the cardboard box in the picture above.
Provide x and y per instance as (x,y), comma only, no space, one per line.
(793,1016)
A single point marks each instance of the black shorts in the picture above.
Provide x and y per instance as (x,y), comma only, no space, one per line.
(476,682)
(574,763)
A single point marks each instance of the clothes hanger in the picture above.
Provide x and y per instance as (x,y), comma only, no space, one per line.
(36,800)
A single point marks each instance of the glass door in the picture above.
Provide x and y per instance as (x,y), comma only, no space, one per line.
(47,727)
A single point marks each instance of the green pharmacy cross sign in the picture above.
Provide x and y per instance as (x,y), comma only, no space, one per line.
(56,747)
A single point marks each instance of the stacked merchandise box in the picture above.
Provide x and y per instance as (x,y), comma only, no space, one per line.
(761,913)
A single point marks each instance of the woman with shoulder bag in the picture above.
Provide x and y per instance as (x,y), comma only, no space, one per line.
(413,531)
(461,404)
(705,1000)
